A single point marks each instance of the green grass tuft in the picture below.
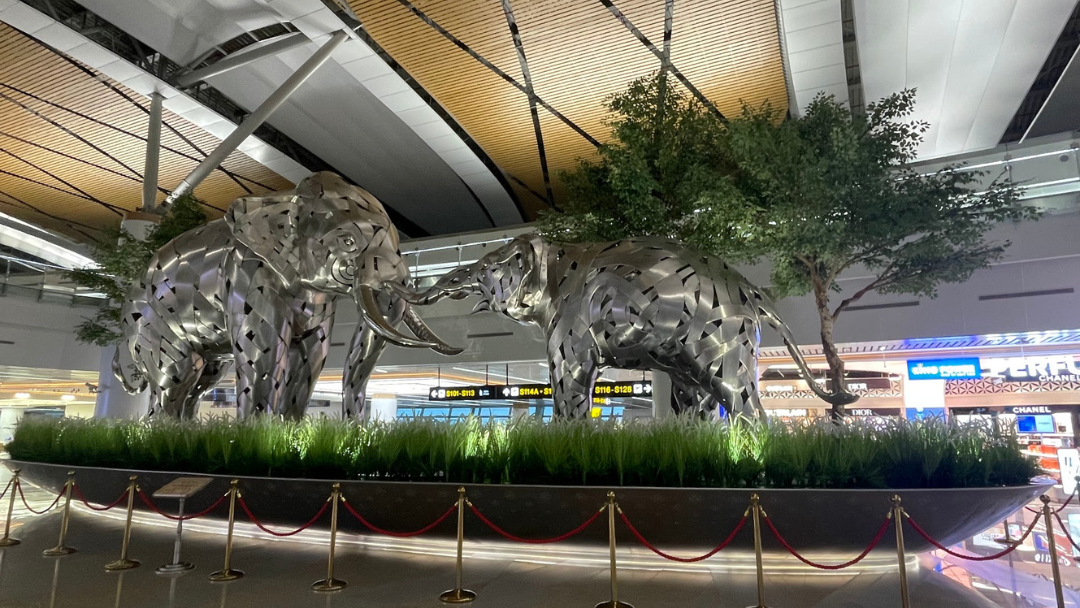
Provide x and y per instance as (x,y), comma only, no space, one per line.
(675,452)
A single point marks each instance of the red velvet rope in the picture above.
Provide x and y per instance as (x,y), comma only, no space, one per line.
(1057,510)
(258,524)
(1065,531)
(533,541)
(685,560)
(48,508)
(859,558)
(146,500)
(378,530)
(974,558)
(6,488)
(79,494)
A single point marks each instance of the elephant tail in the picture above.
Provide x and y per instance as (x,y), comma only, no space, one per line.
(768,311)
(118,371)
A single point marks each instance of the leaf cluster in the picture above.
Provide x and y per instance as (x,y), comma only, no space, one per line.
(678,452)
(122,259)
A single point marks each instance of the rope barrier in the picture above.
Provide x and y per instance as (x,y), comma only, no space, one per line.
(48,508)
(79,494)
(259,525)
(1065,531)
(534,541)
(674,558)
(6,488)
(974,558)
(150,504)
(378,530)
(877,539)
(1054,511)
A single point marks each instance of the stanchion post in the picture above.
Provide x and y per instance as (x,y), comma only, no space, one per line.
(227,573)
(7,541)
(60,548)
(755,512)
(124,563)
(330,583)
(1054,566)
(459,595)
(614,602)
(898,523)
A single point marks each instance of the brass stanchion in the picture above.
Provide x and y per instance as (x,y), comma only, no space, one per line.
(124,563)
(898,522)
(614,601)
(457,595)
(226,573)
(7,541)
(1054,567)
(755,510)
(330,583)
(60,548)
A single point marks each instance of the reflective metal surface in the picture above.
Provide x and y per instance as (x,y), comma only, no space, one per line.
(257,289)
(646,304)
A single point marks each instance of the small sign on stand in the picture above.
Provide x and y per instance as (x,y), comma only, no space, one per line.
(181,488)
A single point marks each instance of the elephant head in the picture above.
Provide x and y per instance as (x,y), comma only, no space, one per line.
(330,236)
(509,280)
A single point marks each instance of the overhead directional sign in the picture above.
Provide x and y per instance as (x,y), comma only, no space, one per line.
(639,388)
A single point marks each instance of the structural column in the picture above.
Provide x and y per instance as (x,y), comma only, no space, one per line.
(153,152)
(258,117)
(661,395)
(383,408)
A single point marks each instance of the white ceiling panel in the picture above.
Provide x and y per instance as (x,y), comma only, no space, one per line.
(972,61)
(813,41)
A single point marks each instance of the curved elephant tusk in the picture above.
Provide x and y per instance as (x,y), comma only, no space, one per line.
(422,331)
(412,296)
(378,323)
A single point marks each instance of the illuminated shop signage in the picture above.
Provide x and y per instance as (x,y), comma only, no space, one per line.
(872,411)
(1033,369)
(960,368)
(639,388)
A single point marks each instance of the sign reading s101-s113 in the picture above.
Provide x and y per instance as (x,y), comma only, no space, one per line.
(639,388)
(959,368)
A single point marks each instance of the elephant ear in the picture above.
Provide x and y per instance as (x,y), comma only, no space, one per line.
(270,228)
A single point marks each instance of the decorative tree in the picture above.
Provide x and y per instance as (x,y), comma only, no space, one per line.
(122,259)
(664,172)
(819,195)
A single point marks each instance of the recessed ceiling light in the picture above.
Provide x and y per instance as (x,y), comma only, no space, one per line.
(67,397)
(22,395)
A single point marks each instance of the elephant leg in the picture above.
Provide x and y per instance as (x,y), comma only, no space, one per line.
(307,355)
(363,354)
(212,373)
(689,398)
(734,381)
(573,377)
(260,340)
(174,399)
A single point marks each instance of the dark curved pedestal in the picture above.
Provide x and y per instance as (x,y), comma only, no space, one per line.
(671,518)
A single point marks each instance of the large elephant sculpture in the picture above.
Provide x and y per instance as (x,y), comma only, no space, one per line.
(258,288)
(643,304)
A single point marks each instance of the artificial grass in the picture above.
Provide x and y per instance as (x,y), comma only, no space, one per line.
(676,452)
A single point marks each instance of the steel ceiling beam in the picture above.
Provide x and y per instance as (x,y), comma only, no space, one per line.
(244,57)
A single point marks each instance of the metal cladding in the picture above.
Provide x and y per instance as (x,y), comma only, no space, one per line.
(646,304)
(258,289)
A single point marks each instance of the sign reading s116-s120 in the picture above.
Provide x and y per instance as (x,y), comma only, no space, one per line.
(639,388)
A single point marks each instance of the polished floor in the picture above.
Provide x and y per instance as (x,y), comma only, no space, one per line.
(384,573)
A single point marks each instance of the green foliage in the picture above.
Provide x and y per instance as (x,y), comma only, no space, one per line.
(664,172)
(679,452)
(122,259)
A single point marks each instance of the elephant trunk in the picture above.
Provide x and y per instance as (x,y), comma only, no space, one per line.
(427,297)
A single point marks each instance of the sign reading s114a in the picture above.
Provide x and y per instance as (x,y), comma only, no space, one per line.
(959,368)
(639,388)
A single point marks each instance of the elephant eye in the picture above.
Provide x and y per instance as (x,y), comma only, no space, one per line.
(348,241)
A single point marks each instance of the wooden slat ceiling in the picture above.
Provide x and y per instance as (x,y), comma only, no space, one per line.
(50,177)
(578,53)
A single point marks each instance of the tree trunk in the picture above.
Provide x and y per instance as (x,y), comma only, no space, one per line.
(836,365)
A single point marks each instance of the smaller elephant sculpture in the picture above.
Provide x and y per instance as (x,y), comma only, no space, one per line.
(258,289)
(643,304)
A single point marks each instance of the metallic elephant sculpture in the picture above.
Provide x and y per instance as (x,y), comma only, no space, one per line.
(258,288)
(645,304)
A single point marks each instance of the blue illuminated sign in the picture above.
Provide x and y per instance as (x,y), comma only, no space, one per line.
(960,368)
